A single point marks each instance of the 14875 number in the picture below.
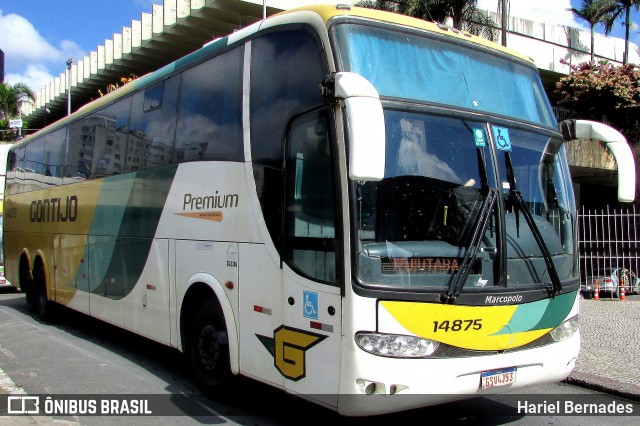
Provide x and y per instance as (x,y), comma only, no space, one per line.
(457,325)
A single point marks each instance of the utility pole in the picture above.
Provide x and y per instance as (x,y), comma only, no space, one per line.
(503,6)
(69,63)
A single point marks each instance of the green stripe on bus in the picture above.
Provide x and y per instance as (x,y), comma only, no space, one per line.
(557,311)
(107,218)
(540,315)
(123,255)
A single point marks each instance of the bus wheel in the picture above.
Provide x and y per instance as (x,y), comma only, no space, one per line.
(27,286)
(209,349)
(42,306)
(30,293)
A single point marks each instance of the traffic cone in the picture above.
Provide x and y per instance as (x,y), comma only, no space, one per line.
(623,296)
(596,291)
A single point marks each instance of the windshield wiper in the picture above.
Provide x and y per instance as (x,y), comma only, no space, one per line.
(456,284)
(516,199)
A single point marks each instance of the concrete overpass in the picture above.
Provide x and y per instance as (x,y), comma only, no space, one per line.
(169,31)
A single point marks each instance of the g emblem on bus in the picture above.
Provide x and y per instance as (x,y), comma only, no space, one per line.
(288,347)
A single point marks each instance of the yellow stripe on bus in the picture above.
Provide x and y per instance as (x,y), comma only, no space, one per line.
(468,327)
(66,211)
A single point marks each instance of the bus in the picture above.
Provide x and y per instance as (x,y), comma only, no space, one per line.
(362,209)
(4,150)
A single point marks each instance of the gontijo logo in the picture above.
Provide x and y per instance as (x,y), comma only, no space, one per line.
(204,207)
(54,210)
(288,346)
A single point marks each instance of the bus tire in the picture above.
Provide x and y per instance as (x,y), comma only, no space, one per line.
(27,285)
(30,294)
(43,307)
(209,349)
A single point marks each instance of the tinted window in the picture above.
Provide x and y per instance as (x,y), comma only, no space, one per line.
(54,153)
(311,243)
(286,70)
(15,170)
(37,164)
(412,66)
(34,158)
(153,98)
(153,126)
(95,140)
(210,110)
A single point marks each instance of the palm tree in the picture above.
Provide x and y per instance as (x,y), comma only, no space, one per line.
(388,5)
(622,8)
(465,13)
(594,12)
(11,99)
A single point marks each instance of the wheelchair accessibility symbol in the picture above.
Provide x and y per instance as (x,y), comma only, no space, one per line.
(501,136)
(310,306)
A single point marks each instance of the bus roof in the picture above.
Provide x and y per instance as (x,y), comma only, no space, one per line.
(328,12)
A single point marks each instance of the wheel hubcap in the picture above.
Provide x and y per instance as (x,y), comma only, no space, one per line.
(209,347)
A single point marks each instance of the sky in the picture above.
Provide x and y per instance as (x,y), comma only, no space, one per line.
(39,36)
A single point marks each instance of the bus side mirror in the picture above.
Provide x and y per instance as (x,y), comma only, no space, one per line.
(616,143)
(364,123)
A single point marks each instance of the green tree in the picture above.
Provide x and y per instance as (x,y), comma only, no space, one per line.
(465,13)
(622,11)
(396,6)
(594,12)
(604,92)
(11,99)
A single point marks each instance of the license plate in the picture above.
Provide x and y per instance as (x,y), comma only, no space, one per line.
(491,379)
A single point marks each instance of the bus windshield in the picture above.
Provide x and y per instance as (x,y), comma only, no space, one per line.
(415,226)
(412,66)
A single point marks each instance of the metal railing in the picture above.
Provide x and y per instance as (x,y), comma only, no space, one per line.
(609,241)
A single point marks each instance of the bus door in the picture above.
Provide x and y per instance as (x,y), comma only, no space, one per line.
(310,338)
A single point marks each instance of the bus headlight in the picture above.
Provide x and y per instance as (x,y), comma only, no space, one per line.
(565,330)
(395,346)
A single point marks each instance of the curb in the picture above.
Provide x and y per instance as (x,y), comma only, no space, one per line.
(603,384)
(8,386)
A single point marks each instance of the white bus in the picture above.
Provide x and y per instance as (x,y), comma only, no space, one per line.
(342,203)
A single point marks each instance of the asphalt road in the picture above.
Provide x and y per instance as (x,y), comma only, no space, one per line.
(80,355)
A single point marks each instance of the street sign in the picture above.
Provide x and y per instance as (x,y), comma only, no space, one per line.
(15,124)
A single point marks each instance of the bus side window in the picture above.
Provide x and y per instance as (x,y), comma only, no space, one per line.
(11,180)
(286,70)
(310,245)
(34,162)
(54,152)
(153,124)
(209,123)
(95,139)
